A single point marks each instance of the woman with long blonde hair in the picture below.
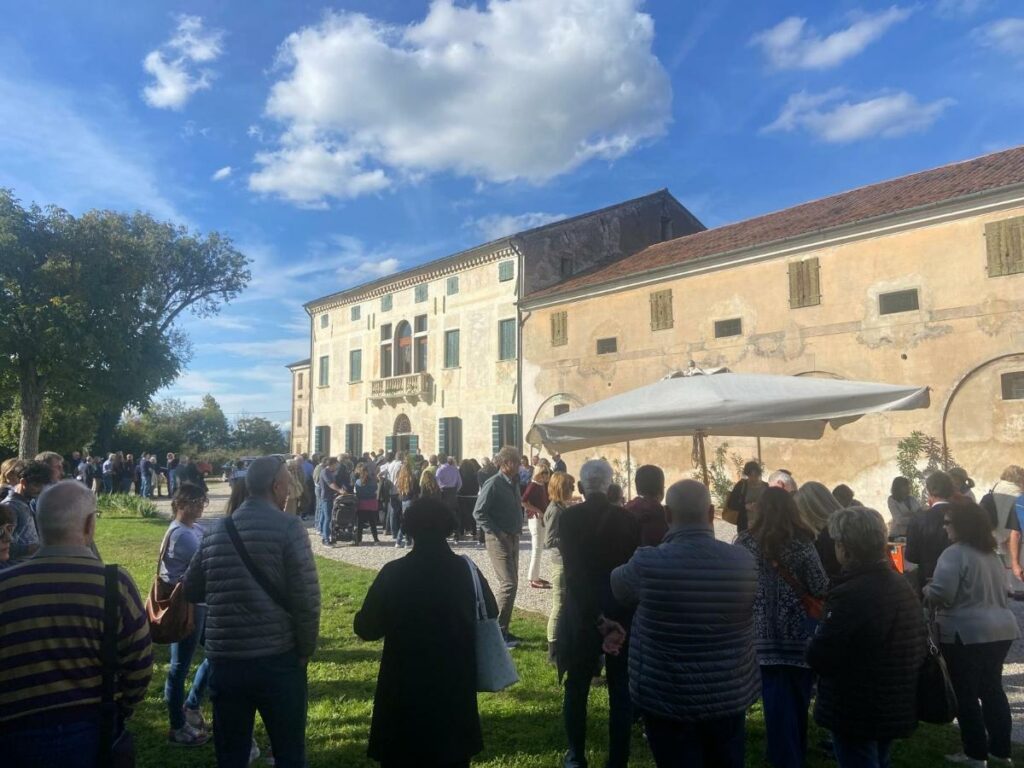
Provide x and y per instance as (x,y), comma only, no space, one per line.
(560,490)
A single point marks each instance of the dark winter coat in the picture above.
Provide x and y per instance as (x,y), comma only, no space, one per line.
(867,652)
(926,540)
(425,709)
(691,651)
(242,621)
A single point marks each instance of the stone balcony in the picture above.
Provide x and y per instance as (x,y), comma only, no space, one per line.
(411,388)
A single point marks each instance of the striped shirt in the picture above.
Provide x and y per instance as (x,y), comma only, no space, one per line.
(51,631)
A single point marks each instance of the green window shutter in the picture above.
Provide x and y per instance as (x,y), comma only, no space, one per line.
(506,270)
(453,285)
(1004,242)
(495,434)
(355,312)
(389,442)
(559,329)
(322,440)
(355,365)
(414,444)
(507,339)
(385,302)
(451,349)
(421,293)
(325,374)
(442,435)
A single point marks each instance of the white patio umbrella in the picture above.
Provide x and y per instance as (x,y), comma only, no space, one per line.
(718,402)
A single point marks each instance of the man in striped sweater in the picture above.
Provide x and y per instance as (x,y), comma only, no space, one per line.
(51,626)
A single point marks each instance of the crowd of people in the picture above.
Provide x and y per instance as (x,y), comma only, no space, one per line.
(809,601)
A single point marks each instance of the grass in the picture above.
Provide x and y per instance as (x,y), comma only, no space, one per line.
(111,505)
(522,726)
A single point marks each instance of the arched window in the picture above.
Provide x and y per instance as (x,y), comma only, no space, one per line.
(402,425)
(403,349)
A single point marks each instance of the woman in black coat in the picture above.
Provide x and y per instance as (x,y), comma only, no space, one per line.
(423,605)
(869,647)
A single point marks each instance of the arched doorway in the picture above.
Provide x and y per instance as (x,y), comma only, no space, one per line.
(403,349)
(402,440)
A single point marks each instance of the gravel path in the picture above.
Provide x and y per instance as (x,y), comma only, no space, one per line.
(538,601)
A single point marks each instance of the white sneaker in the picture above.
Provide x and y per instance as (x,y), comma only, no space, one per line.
(187,736)
(194,717)
(961,759)
(254,752)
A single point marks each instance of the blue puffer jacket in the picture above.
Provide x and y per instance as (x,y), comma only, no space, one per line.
(691,653)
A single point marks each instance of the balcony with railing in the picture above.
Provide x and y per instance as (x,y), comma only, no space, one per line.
(417,386)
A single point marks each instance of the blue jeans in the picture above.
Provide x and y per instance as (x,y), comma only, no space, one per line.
(172,481)
(145,488)
(177,672)
(786,694)
(325,519)
(68,745)
(274,686)
(717,743)
(857,753)
(396,512)
(620,711)
(108,483)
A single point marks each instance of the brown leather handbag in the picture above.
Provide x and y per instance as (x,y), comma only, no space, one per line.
(171,616)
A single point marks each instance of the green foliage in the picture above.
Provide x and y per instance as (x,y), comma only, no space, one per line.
(522,727)
(258,436)
(88,305)
(111,505)
(918,447)
(723,472)
(205,427)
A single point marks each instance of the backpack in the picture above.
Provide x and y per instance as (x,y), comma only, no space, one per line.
(988,503)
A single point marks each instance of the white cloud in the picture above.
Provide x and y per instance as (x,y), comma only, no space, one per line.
(56,149)
(500,225)
(255,132)
(173,65)
(381,268)
(831,118)
(792,44)
(516,89)
(221,173)
(1005,35)
(280,349)
(952,8)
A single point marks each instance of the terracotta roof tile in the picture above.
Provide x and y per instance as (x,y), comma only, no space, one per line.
(859,205)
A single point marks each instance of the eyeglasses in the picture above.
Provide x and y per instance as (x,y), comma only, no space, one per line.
(7,532)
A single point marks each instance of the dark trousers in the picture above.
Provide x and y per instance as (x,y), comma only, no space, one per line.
(786,694)
(68,745)
(984,713)
(717,743)
(620,711)
(858,753)
(366,520)
(274,686)
(465,522)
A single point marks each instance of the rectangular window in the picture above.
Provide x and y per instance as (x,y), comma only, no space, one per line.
(732,327)
(561,408)
(300,383)
(298,417)
(451,349)
(559,329)
(355,312)
(452,285)
(504,431)
(354,439)
(661,310)
(449,437)
(322,440)
(325,375)
(1013,385)
(323,320)
(607,346)
(420,346)
(507,339)
(385,302)
(1004,241)
(804,284)
(421,293)
(385,332)
(506,270)
(420,324)
(355,365)
(897,301)
(566,268)
(385,360)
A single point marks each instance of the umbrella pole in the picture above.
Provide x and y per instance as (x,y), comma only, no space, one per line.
(703,459)
(759,450)
(629,474)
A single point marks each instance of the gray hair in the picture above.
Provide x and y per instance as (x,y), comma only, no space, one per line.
(861,531)
(507,455)
(782,480)
(62,510)
(816,504)
(689,502)
(595,476)
(262,473)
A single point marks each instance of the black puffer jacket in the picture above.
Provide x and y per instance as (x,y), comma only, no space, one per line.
(867,651)
(242,622)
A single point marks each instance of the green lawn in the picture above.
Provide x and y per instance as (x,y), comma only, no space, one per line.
(522,727)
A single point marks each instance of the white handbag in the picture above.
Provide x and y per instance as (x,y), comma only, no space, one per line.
(495,670)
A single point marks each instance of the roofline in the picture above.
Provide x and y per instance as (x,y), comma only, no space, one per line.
(299,364)
(496,245)
(952,208)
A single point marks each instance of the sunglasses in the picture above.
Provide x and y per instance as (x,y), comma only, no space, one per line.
(7,532)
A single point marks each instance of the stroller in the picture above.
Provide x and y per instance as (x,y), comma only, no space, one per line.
(343,518)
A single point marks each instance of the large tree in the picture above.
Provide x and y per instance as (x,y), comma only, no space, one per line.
(258,435)
(88,306)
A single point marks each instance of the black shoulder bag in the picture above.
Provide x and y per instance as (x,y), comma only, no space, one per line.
(116,750)
(258,576)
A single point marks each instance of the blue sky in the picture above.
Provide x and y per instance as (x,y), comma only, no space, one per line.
(337,143)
